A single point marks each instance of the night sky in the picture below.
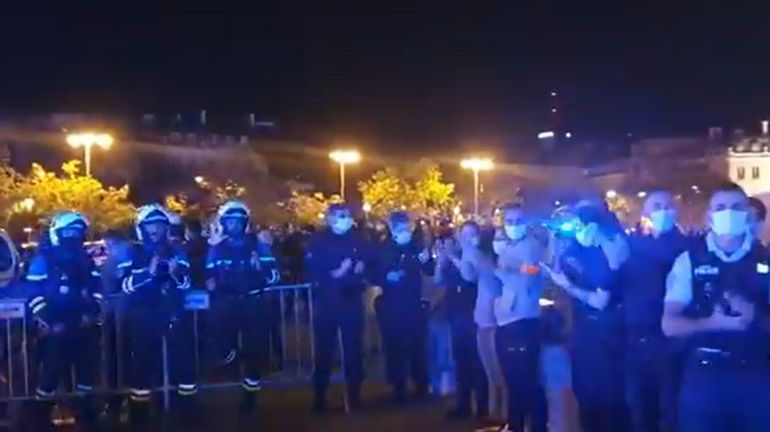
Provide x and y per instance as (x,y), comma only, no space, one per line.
(405,76)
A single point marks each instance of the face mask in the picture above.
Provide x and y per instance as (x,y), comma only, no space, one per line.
(342,225)
(499,246)
(402,237)
(516,232)
(729,222)
(586,236)
(663,220)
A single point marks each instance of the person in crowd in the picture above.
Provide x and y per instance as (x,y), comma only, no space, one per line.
(457,268)
(197,250)
(155,278)
(64,301)
(717,297)
(400,264)
(517,313)
(490,287)
(334,264)
(652,363)
(590,271)
(757,216)
(238,270)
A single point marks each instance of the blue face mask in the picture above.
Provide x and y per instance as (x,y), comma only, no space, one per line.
(402,237)
(342,224)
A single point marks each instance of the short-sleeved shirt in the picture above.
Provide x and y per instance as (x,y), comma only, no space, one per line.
(679,280)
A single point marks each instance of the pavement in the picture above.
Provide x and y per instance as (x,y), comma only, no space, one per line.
(289,410)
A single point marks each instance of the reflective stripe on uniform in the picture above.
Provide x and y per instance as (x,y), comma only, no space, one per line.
(125,264)
(37,277)
(127,285)
(42,393)
(251,385)
(187,389)
(140,395)
(85,387)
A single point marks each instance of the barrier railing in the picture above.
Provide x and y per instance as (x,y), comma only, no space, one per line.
(291,360)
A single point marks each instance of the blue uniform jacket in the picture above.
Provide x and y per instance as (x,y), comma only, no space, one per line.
(165,289)
(63,290)
(325,253)
(229,264)
(405,259)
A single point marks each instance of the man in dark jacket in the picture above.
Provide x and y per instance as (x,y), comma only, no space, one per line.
(401,261)
(334,264)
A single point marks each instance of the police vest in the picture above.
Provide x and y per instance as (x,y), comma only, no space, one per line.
(712,279)
(236,274)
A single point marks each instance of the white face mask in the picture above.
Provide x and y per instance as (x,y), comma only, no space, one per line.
(499,246)
(342,225)
(587,235)
(730,222)
(663,220)
(516,232)
(402,237)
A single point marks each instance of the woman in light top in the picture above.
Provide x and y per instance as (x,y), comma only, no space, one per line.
(490,287)
(517,312)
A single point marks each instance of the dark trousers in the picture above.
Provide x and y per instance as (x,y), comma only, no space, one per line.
(75,347)
(404,329)
(247,316)
(518,349)
(147,328)
(348,317)
(724,398)
(597,380)
(471,377)
(651,383)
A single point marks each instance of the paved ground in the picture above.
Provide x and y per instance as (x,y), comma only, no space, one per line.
(288,410)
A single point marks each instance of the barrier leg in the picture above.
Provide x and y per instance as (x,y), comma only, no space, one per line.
(340,345)
(166,380)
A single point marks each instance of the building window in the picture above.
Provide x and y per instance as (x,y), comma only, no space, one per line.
(755,173)
(741,173)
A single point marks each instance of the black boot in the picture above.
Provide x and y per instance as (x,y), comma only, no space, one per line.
(38,415)
(248,404)
(319,401)
(87,414)
(139,413)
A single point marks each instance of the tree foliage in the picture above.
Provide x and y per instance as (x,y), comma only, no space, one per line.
(309,208)
(48,192)
(422,191)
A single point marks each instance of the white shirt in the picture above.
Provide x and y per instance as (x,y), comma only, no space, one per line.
(679,280)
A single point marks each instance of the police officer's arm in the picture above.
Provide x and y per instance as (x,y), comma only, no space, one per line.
(37,278)
(212,271)
(180,272)
(268,265)
(133,275)
(679,295)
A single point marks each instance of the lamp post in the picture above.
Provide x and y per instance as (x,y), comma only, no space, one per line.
(344,157)
(476,165)
(88,140)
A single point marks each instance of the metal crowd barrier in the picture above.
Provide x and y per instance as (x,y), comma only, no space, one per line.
(292,348)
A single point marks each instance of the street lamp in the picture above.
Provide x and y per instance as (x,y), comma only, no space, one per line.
(344,157)
(88,140)
(476,165)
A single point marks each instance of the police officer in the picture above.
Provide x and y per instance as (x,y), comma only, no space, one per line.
(717,296)
(238,271)
(652,363)
(64,287)
(155,281)
(334,263)
(590,271)
(400,264)
(457,269)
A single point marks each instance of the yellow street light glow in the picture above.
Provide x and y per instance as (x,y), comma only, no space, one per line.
(611,194)
(87,140)
(345,156)
(477,164)
(642,194)
(199,179)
